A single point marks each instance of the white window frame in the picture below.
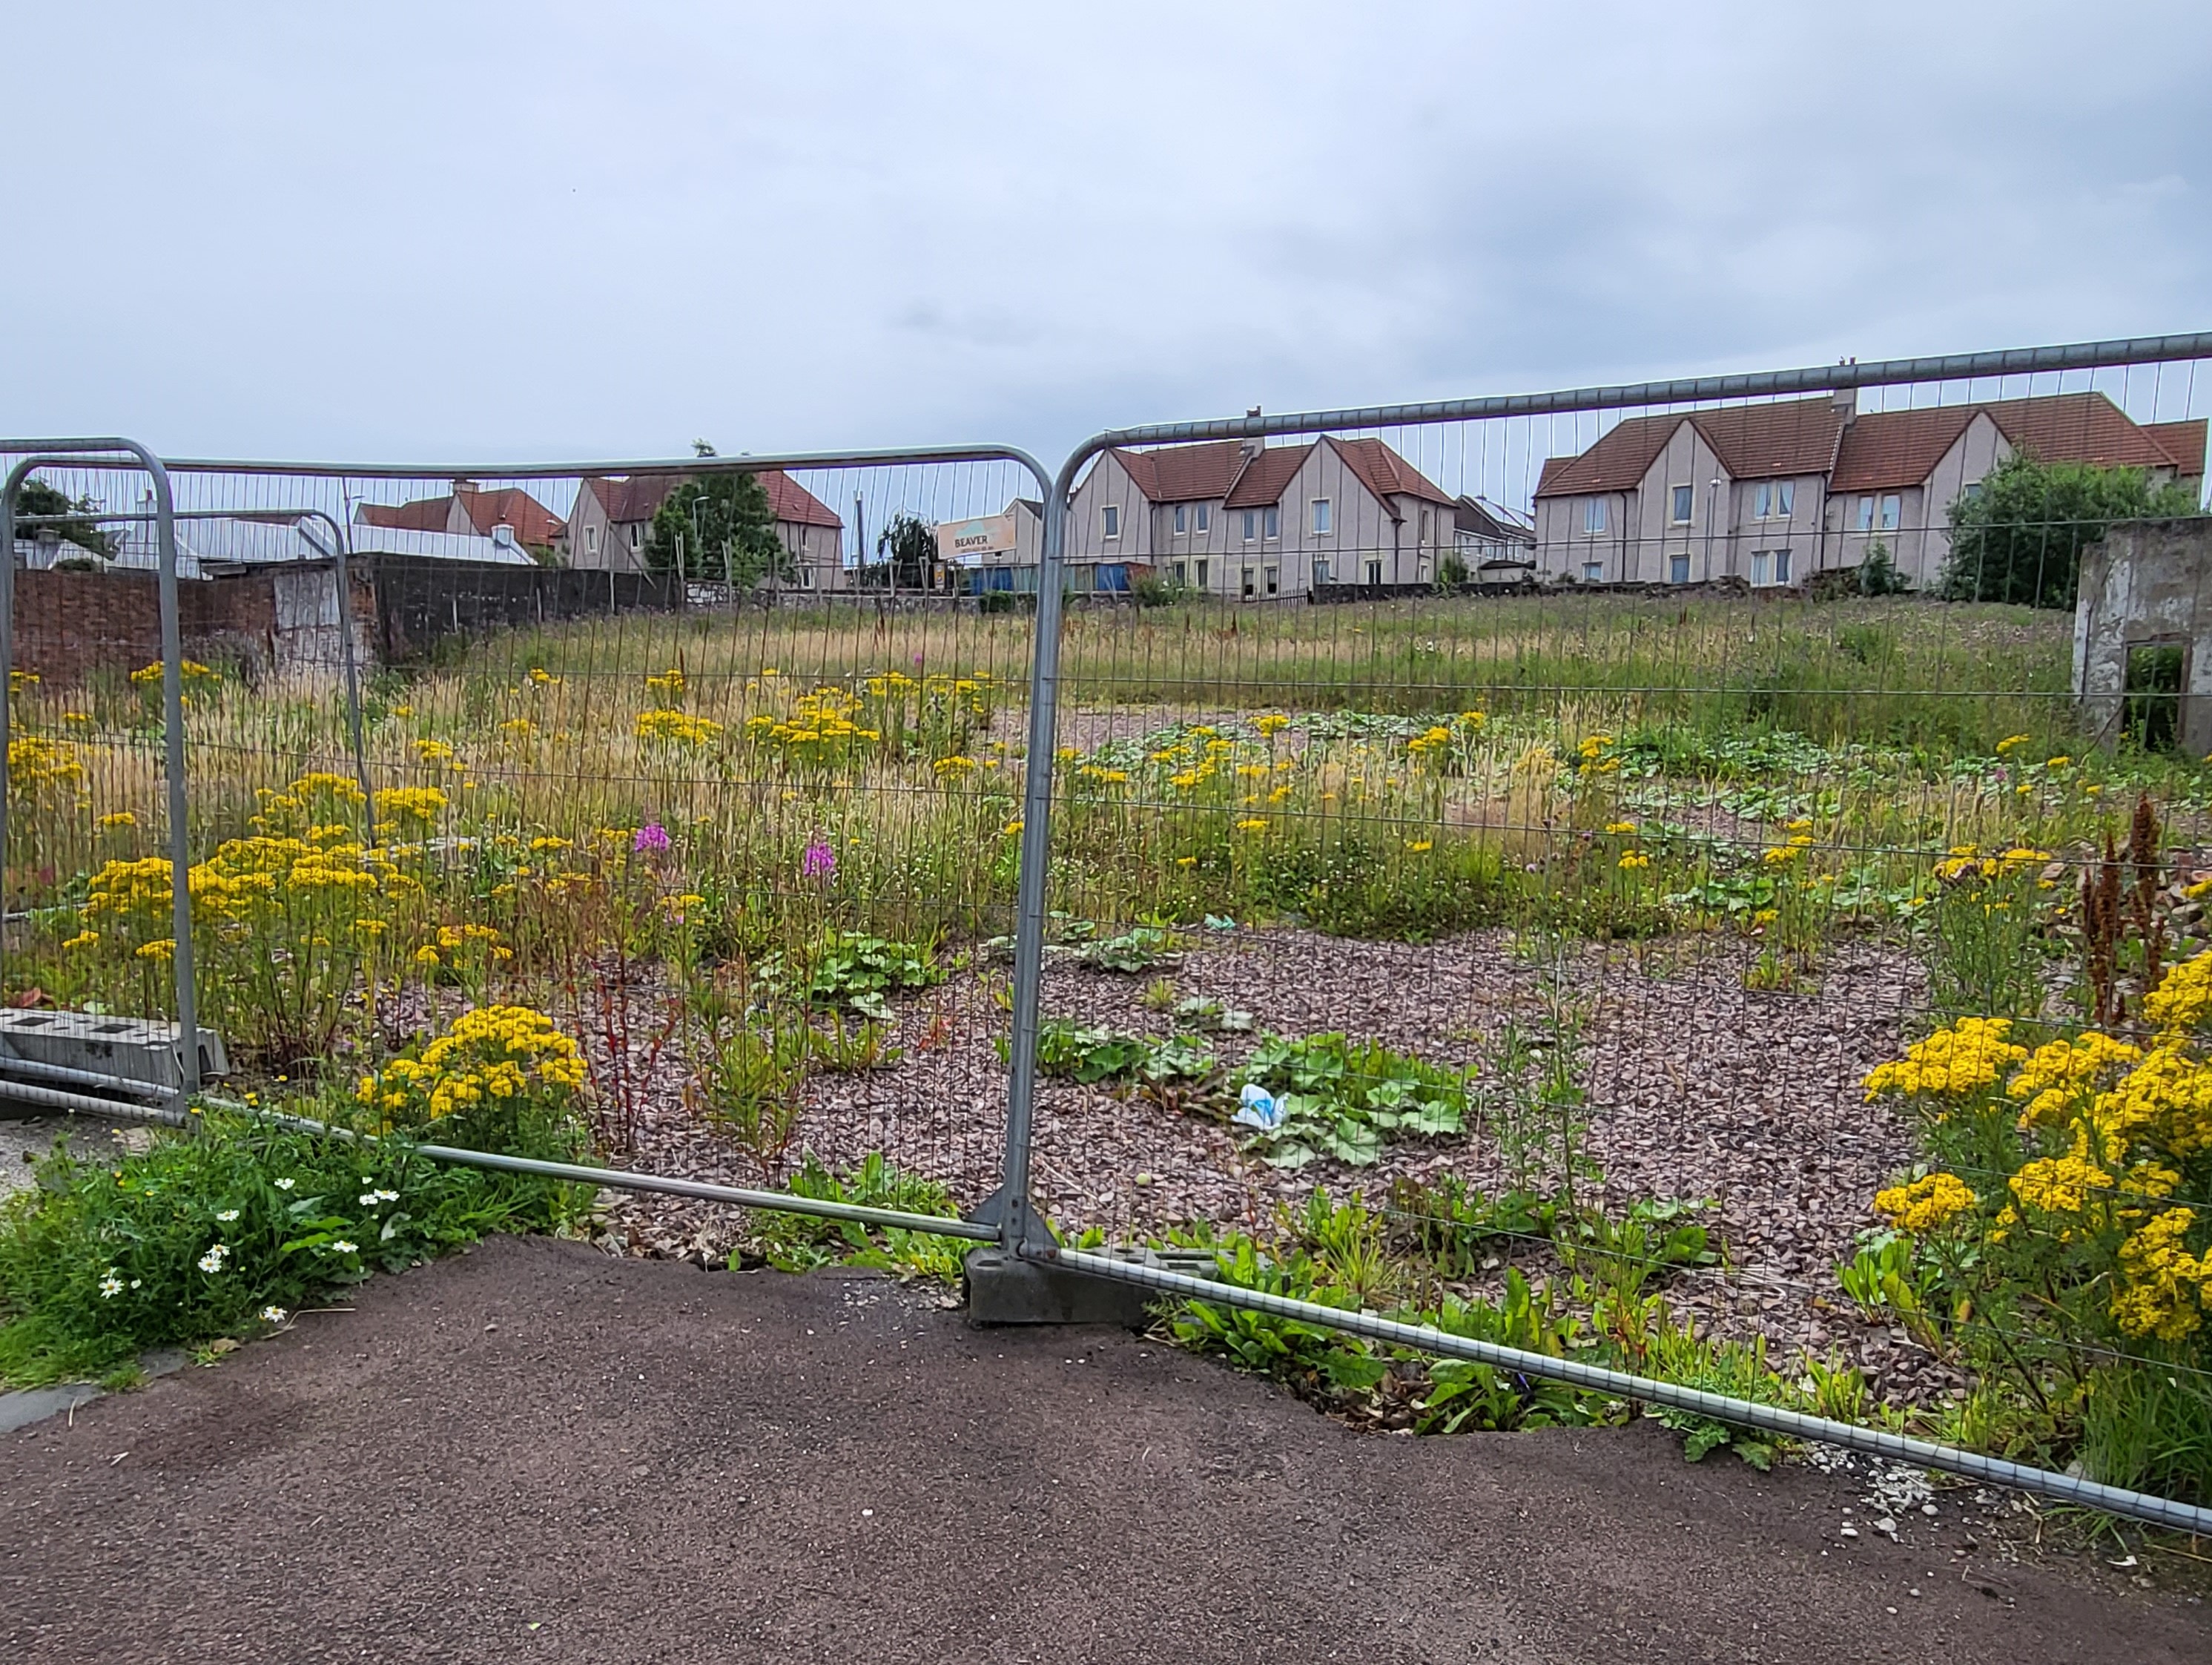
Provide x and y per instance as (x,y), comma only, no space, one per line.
(1862,515)
(591,547)
(1274,587)
(1762,563)
(1593,517)
(636,539)
(1320,573)
(1181,515)
(1201,585)
(1681,503)
(1428,524)
(1785,499)
(1782,566)
(1110,522)
(1891,513)
(1593,571)
(1970,492)
(1375,572)
(1205,517)
(1322,516)
(1178,575)
(1271,521)
(1251,589)
(1682,562)
(1251,526)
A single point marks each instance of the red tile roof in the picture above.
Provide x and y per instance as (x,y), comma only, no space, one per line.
(530,520)
(1880,451)
(1268,476)
(639,497)
(423,514)
(1888,450)
(794,504)
(1753,441)
(1183,473)
(2184,443)
(1386,474)
(635,497)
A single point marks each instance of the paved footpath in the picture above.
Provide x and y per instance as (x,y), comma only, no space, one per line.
(535,1452)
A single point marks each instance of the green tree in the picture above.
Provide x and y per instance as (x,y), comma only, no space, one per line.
(2019,539)
(724,524)
(37,497)
(907,550)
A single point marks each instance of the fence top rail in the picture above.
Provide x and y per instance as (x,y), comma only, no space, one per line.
(1816,378)
(749,463)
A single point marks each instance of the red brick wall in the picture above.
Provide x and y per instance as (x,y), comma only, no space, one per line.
(70,623)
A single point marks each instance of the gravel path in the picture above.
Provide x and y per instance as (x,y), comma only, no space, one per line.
(537,1451)
(1699,1089)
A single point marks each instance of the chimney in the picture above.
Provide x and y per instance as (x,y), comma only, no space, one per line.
(1845,402)
(1252,444)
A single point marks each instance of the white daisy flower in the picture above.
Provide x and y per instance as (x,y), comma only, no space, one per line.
(342,1247)
(286,1183)
(274,1315)
(111,1287)
(211,1262)
(227,1216)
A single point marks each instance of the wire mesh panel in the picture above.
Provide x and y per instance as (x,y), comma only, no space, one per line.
(710,770)
(87,774)
(1500,865)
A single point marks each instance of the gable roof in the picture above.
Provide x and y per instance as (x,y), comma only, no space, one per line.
(511,506)
(1183,473)
(1887,449)
(1268,476)
(1483,518)
(794,505)
(1753,441)
(639,497)
(1386,474)
(2184,441)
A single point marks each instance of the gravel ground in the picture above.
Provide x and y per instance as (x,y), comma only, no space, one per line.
(1699,1089)
(539,1451)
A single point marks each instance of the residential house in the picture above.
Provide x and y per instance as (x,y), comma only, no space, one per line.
(1254,522)
(1491,538)
(610,526)
(468,510)
(1770,492)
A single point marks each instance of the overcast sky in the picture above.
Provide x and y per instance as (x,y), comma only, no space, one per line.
(547,230)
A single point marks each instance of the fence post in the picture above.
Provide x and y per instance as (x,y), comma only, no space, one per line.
(95,454)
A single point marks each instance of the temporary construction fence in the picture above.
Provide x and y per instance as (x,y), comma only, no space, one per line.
(1627,813)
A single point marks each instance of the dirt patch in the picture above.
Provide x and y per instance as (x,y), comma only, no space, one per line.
(537,1451)
(1699,1089)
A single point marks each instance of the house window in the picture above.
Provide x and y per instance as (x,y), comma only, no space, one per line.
(1109,515)
(1863,520)
(636,542)
(1273,520)
(1201,585)
(591,547)
(1427,525)
(1375,572)
(1321,575)
(1321,516)
(1274,586)
(1177,574)
(1677,570)
(806,582)
(1761,566)
(1680,515)
(1251,526)
(1593,571)
(1180,527)
(1973,490)
(1774,500)
(1593,515)
(1204,516)
(1247,596)
(1890,506)
(1781,566)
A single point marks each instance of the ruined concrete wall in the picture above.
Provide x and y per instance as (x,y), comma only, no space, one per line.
(2146,583)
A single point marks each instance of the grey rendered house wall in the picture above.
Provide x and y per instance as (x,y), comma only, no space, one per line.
(1799,532)
(2146,583)
(1108,482)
